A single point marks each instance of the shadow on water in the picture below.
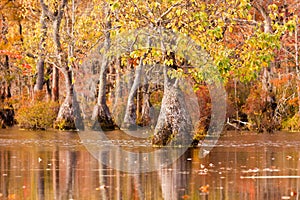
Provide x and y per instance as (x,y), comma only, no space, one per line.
(56,165)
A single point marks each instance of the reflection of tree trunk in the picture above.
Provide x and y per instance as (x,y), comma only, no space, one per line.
(298,173)
(138,186)
(174,120)
(174,184)
(130,112)
(137,190)
(71,168)
(101,177)
(55,174)
(5,173)
(41,181)
(117,157)
(101,113)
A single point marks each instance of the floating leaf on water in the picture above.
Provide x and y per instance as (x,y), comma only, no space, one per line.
(101,187)
(293,193)
(289,157)
(204,188)
(185,196)
(11,196)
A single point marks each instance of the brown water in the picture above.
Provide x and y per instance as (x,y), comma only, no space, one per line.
(56,165)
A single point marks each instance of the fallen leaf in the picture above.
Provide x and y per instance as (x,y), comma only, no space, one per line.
(204,188)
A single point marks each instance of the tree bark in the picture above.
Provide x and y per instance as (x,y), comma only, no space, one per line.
(101,114)
(131,108)
(6,114)
(145,118)
(297,64)
(68,113)
(41,59)
(55,84)
(118,87)
(4,32)
(268,123)
(174,125)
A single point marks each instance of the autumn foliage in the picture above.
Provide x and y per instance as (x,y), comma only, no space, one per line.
(253,44)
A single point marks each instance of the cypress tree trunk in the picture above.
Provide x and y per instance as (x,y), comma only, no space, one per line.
(55,84)
(101,114)
(131,108)
(268,122)
(145,118)
(118,87)
(69,110)
(174,123)
(6,114)
(297,65)
(41,60)
(66,114)
(8,82)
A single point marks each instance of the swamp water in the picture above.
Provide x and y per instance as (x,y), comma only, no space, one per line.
(57,165)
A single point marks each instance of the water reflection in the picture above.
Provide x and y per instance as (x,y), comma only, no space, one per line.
(49,165)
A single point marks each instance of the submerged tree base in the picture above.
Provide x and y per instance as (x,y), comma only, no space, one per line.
(66,117)
(102,119)
(129,126)
(174,123)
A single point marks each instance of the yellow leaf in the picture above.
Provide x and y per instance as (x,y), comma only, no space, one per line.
(264,64)
(249,17)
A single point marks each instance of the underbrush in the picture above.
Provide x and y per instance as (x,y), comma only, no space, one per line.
(292,124)
(37,114)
